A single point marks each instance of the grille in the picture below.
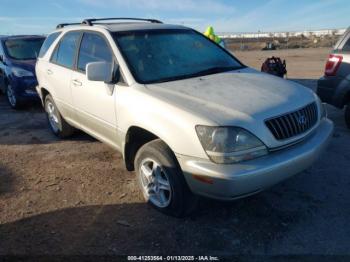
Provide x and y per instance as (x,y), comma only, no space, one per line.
(294,123)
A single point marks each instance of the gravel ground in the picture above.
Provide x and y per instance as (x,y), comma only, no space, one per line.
(74,197)
(301,63)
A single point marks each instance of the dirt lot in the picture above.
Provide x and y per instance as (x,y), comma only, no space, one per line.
(301,63)
(75,197)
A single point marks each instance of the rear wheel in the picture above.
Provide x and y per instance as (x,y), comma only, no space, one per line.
(161,180)
(347,115)
(56,122)
(12,97)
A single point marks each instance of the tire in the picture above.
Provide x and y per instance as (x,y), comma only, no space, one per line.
(347,115)
(56,122)
(159,162)
(12,98)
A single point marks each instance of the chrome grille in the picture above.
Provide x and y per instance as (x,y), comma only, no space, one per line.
(294,123)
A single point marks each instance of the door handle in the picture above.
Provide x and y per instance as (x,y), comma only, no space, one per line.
(77,82)
(49,71)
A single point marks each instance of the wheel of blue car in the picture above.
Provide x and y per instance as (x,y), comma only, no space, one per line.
(161,180)
(12,97)
(57,124)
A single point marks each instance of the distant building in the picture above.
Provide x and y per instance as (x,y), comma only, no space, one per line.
(305,33)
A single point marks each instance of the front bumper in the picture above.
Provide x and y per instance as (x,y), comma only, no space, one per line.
(25,87)
(229,182)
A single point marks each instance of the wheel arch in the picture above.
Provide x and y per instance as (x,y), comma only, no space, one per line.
(43,93)
(5,82)
(135,138)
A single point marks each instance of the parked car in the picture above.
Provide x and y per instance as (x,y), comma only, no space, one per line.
(334,86)
(17,68)
(187,115)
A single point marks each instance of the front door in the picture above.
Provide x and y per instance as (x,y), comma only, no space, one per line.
(94,101)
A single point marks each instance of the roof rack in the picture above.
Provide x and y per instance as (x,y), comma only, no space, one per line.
(66,24)
(90,21)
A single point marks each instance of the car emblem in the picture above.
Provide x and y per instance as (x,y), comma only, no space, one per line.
(302,120)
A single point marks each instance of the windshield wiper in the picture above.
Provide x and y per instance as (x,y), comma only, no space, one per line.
(215,70)
(209,71)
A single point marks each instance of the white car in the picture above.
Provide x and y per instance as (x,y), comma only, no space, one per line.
(187,116)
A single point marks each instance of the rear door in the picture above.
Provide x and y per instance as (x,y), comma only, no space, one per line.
(93,101)
(59,72)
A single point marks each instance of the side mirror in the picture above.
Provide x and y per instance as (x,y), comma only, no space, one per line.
(102,71)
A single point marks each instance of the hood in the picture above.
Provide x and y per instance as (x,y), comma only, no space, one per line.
(244,98)
(24,64)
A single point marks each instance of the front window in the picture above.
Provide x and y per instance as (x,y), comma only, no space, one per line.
(156,56)
(23,49)
(93,48)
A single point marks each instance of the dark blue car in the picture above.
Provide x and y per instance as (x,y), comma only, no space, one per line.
(17,68)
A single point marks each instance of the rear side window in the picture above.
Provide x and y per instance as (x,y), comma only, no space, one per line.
(93,48)
(346,47)
(64,53)
(47,43)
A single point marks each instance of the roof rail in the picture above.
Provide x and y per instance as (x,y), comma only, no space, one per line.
(90,21)
(66,24)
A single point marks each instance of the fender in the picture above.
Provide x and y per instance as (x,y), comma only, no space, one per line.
(173,125)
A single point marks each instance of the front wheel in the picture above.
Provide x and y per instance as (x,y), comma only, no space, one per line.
(347,115)
(12,97)
(161,180)
(56,122)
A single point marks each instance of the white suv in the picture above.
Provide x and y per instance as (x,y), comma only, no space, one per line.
(186,114)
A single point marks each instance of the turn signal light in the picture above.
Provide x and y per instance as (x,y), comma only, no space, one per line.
(203,179)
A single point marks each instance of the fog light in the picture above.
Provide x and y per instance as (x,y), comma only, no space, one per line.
(30,92)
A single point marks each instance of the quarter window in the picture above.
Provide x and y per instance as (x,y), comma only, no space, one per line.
(47,43)
(64,53)
(93,48)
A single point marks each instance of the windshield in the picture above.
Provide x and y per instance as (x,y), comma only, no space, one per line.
(157,56)
(23,49)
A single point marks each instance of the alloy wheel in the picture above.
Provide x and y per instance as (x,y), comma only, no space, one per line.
(52,114)
(155,183)
(11,96)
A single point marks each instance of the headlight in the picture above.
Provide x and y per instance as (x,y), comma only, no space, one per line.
(227,145)
(19,72)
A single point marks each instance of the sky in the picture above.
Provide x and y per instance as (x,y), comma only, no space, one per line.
(41,16)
